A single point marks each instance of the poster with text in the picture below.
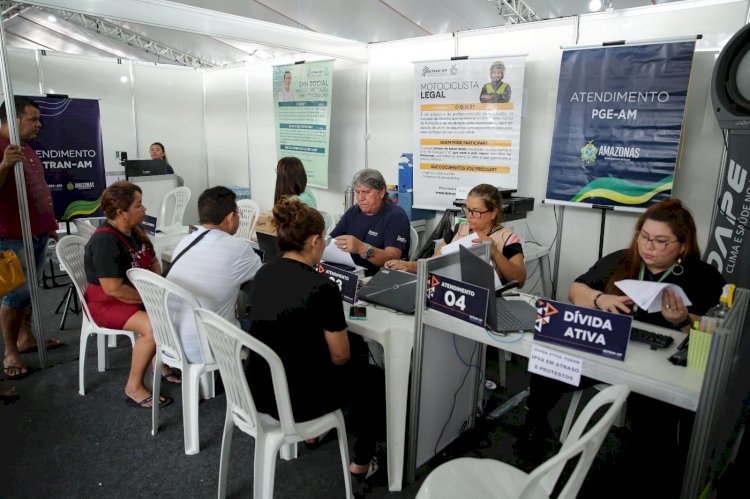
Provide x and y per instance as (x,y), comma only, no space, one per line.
(69,146)
(467,126)
(618,124)
(302,110)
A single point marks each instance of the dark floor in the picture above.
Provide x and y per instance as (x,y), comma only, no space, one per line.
(58,443)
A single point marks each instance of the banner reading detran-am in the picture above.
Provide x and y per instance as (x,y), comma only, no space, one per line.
(618,123)
(70,148)
(467,126)
(302,110)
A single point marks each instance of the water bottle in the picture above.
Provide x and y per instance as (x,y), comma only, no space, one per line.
(721,309)
(348,197)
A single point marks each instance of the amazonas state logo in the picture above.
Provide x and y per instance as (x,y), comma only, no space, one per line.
(588,153)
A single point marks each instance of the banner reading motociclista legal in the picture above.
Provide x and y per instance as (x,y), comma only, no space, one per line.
(618,124)
(467,126)
(69,146)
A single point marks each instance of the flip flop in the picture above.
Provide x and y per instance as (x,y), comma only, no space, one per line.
(21,372)
(50,344)
(143,404)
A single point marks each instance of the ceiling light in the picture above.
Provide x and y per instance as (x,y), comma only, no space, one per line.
(595,5)
(124,79)
(51,18)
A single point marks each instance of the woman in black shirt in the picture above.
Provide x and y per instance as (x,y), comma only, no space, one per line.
(298,312)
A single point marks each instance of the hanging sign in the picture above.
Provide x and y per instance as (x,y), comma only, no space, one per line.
(618,124)
(467,126)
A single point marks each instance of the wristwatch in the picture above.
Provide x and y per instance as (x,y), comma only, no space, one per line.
(369,252)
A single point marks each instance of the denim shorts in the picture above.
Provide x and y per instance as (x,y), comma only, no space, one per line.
(21,296)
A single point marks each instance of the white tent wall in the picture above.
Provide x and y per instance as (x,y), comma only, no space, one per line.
(227,126)
(169,109)
(392,97)
(392,91)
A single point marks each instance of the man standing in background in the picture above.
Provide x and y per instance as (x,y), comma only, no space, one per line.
(15,311)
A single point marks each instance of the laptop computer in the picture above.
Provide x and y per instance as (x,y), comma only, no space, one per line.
(503,316)
(268,244)
(393,289)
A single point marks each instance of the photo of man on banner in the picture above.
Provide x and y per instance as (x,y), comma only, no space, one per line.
(496,90)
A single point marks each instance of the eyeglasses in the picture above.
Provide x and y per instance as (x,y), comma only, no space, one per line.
(659,244)
(474,213)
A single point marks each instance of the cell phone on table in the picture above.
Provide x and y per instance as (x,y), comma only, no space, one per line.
(358,313)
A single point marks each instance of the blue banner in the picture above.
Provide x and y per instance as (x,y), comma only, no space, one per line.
(584,329)
(70,148)
(618,124)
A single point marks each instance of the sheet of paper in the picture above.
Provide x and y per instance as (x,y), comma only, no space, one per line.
(333,254)
(647,294)
(467,243)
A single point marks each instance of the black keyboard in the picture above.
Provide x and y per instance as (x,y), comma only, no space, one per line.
(654,340)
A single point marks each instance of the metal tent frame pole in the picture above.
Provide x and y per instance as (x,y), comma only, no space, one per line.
(23,207)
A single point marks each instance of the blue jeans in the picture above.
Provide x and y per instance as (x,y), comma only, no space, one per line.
(21,296)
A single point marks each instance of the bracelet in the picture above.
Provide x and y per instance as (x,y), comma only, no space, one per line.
(596,299)
(682,324)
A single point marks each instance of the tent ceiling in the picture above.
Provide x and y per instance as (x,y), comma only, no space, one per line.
(140,35)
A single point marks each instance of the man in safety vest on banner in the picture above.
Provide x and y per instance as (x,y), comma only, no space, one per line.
(496,90)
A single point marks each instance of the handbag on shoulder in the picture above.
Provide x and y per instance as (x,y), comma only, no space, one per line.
(11,273)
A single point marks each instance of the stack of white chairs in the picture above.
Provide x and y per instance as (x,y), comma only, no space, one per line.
(249,214)
(180,196)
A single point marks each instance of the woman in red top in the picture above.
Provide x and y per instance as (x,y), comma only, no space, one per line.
(118,245)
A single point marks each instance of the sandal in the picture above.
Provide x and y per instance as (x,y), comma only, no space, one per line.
(146,403)
(16,372)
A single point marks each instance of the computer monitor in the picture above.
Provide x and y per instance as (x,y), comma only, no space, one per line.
(145,167)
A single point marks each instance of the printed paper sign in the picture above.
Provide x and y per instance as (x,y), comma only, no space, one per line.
(555,365)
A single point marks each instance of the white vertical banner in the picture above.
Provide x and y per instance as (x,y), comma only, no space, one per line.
(467,126)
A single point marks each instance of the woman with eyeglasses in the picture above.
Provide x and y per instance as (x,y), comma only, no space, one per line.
(484,216)
(664,248)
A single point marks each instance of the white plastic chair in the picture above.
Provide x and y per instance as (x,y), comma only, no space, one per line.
(480,478)
(573,407)
(181,196)
(84,228)
(156,293)
(413,242)
(70,251)
(227,342)
(329,220)
(249,214)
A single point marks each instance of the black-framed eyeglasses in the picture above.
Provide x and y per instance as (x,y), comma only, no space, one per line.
(659,244)
(474,213)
